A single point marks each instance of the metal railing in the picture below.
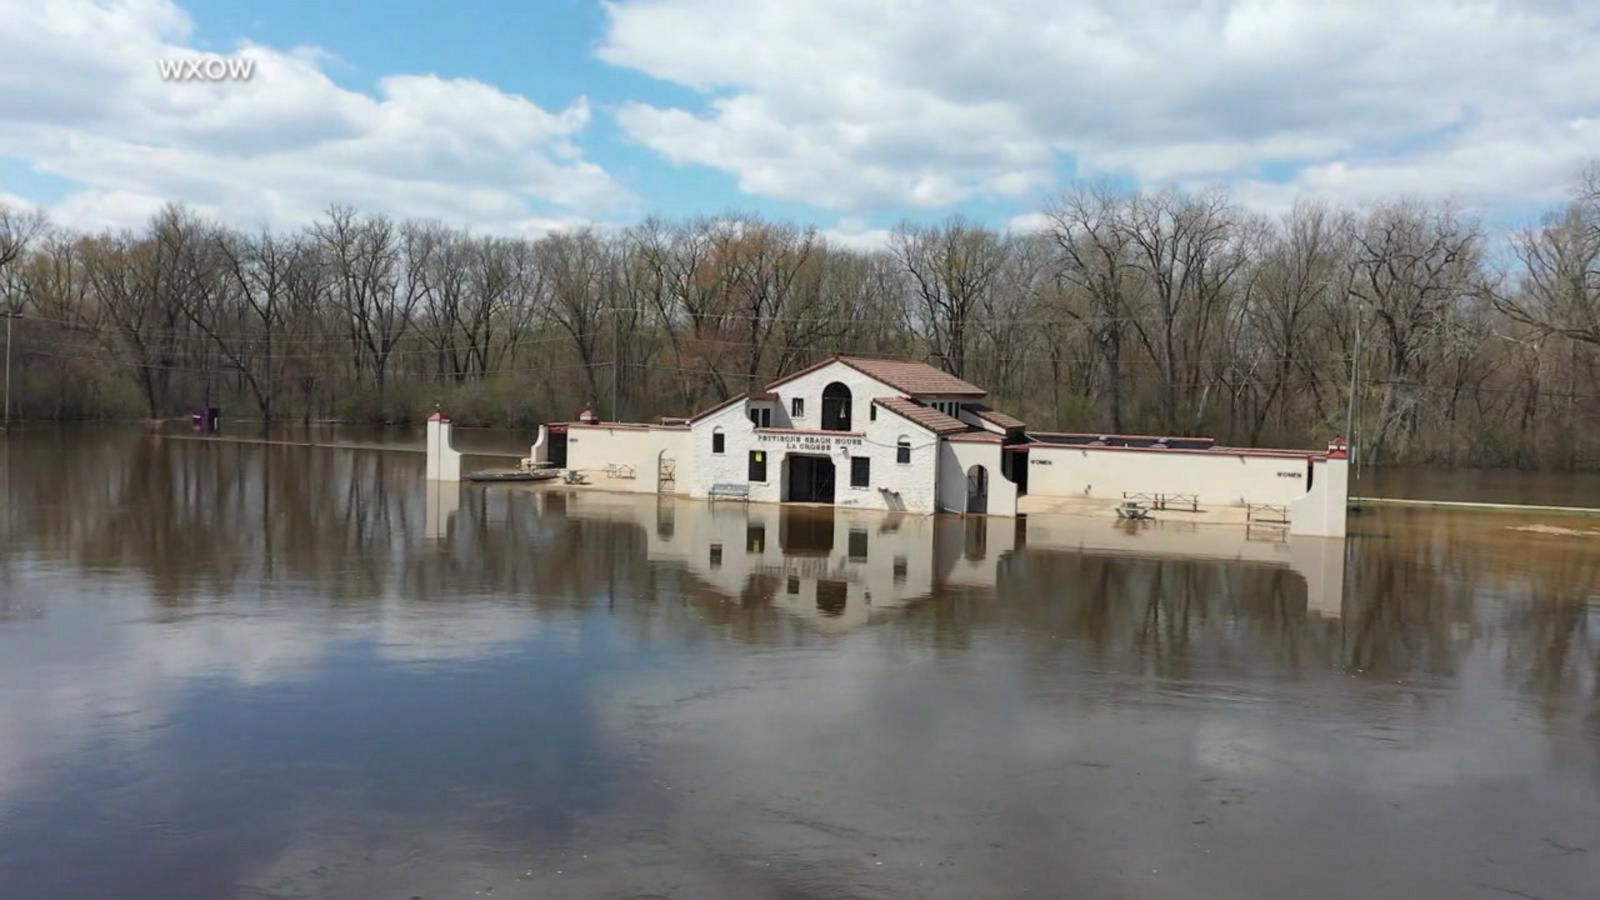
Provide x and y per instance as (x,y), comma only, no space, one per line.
(1158,500)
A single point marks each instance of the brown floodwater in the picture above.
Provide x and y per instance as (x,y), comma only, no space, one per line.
(1580,489)
(265,670)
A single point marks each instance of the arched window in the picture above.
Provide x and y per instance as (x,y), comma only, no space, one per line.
(719,441)
(836,407)
(902,450)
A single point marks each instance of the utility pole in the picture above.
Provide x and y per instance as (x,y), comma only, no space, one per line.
(616,362)
(1355,363)
(9,315)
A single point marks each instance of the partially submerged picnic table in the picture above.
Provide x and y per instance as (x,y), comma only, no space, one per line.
(1131,509)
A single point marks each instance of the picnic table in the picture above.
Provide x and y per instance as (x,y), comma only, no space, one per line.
(1132,510)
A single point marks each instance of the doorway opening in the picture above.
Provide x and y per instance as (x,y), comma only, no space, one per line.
(978,490)
(558,446)
(666,474)
(810,478)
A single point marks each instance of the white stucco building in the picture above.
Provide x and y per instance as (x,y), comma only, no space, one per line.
(860,433)
(904,436)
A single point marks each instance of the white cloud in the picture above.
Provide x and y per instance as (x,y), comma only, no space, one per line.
(81,98)
(1029,223)
(933,102)
(855,234)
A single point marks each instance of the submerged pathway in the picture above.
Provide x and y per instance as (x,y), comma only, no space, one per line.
(1357,502)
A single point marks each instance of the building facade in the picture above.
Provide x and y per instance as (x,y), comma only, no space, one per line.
(857,433)
(904,436)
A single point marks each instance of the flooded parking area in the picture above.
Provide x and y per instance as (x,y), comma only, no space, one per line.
(236,670)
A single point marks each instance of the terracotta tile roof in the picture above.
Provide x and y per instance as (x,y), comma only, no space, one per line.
(914,378)
(925,416)
(976,437)
(995,416)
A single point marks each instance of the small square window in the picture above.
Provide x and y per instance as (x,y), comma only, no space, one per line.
(900,570)
(758,466)
(860,471)
(719,442)
(797,408)
(902,452)
(872,413)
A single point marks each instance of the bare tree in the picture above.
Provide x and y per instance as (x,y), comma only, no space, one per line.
(1558,291)
(18,229)
(579,272)
(952,268)
(1097,278)
(1413,266)
(1302,267)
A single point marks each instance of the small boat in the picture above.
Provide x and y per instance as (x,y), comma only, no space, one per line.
(512,475)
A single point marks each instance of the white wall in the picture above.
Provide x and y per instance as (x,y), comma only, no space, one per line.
(732,465)
(955,459)
(1218,477)
(590,448)
(894,486)
(863,390)
(1323,511)
(444,462)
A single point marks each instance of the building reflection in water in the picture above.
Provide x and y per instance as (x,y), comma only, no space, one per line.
(843,568)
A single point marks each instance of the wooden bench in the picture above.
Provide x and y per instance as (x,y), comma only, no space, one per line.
(729,491)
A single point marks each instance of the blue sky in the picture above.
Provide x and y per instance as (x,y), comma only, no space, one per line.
(850,116)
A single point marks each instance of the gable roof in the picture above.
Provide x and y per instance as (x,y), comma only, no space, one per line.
(914,378)
(925,416)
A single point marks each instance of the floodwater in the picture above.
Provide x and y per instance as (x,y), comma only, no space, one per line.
(232,670)
(1580,489)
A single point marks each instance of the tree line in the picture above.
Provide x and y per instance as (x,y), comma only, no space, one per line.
(1146,311)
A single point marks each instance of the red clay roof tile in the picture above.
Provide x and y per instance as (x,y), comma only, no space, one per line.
(925,416)
(914,378)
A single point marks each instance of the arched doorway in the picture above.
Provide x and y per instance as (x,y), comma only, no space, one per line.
(977,490)
(836,407)
(666,473)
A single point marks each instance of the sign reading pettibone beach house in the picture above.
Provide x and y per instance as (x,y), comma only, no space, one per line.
(815,443)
